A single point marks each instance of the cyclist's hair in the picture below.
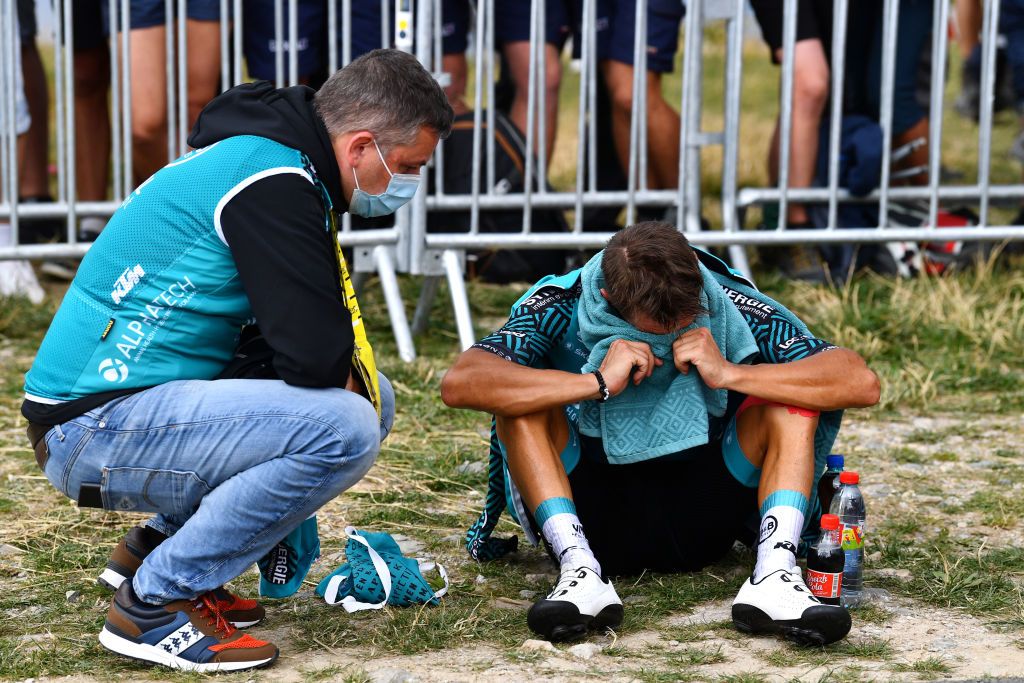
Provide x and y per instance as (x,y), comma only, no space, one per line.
(650,268)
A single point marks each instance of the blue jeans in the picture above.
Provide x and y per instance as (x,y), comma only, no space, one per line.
(231,466)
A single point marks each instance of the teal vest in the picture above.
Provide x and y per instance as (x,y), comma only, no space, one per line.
(158,297)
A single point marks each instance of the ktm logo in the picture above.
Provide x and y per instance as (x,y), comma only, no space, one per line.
(126,282)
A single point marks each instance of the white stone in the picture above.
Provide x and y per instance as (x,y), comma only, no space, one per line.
(584,650)
(537,646)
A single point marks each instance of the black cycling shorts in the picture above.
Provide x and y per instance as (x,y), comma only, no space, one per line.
(813,20)
(680,512)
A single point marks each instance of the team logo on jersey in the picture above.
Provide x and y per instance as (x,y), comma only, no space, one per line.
(126,282)
(113,370)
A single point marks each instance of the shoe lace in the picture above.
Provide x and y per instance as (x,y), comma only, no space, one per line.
(207,606)
(566,577)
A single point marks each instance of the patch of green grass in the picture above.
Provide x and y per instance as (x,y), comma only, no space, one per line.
(743,677)
(695,656)
(999,509)
(335,672)
(834,654)
(932,666)
(905,454)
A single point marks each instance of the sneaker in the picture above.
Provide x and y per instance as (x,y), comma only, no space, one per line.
(140,542)
(191,635)
(803,262)
(780,603)
(579,602)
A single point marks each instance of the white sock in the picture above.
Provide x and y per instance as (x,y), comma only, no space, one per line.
(782,522)
(562,529)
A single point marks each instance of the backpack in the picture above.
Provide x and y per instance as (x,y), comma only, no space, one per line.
(501,265)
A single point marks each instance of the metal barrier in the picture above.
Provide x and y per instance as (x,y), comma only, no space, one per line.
(934,192)
(408,247)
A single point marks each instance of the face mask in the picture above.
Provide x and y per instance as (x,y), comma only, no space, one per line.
(397,194)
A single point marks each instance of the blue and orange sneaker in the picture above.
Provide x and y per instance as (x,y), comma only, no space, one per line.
(139,542)
(191,635)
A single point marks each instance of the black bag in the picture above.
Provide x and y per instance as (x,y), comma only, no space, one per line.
(502,265)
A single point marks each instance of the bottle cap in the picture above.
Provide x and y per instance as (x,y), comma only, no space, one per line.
(849,478)
(830,522)
(834,461)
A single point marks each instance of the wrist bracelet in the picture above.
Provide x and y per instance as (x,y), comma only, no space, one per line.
(605,394)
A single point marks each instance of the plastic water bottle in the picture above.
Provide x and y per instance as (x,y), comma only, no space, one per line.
(848,505)
(829,482)
(825,562)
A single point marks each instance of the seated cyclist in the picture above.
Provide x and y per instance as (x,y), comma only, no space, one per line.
(646,407)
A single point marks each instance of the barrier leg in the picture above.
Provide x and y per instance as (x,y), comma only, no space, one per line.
(421,318)
(396,307)
(460,302)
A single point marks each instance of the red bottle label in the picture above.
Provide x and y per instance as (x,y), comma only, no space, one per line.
(824,584)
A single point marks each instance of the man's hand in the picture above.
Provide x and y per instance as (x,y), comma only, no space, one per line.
(698,348)
(625,360)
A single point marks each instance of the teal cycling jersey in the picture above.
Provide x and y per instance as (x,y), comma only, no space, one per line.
(158,297)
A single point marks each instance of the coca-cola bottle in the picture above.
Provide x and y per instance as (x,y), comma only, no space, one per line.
(825,562)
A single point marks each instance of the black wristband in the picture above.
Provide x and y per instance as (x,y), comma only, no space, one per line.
(605,394)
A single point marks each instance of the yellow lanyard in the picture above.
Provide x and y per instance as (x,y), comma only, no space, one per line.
(362,356)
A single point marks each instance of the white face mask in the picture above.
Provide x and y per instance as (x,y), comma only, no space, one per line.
(397,194)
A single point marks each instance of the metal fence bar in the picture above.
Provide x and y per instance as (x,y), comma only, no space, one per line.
(939,44)
(478,94)
(581,120)
(346,33)
(537,35)
(591,37)
(836,123)
(293,42)
(172,107)
(117,166)
(491,118)
(183,118)
(225,76)
(279,43)
(237,46)
(332,36)
(438,61)
(786,106)
(639,79)
(9,24)
(542,100)
(889,34)
(640,94)
(126,88)
(990,33)
(59,104)
(716,238)
(71,173)
(689,120)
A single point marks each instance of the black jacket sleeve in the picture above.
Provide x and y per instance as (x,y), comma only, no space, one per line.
(276,232)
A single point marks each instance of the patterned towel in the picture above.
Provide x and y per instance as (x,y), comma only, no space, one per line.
(668,411)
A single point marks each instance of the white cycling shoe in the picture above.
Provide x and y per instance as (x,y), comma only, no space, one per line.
(581,601)
(780,603)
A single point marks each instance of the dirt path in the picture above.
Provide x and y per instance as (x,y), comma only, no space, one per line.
(920,474)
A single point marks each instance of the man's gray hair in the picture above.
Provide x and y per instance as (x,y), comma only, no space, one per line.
(387,92)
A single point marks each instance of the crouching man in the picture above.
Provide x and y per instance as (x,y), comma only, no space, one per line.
(646,407)
(124,406)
